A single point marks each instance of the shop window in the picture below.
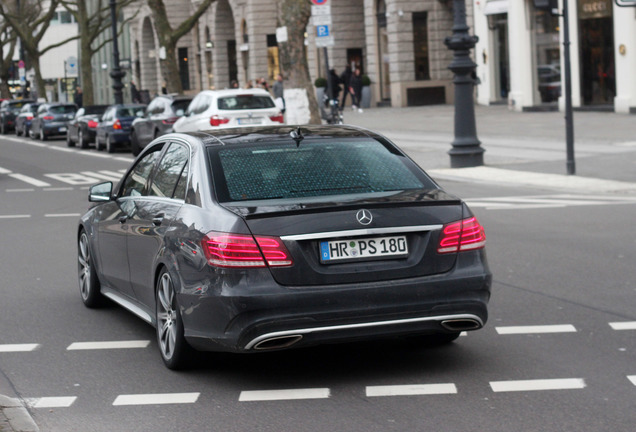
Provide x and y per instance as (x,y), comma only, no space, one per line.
(420,46)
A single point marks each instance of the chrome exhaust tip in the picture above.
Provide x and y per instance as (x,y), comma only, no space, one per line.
(461,324)
(278,342)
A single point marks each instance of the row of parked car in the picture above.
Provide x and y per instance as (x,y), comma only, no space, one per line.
(108,127)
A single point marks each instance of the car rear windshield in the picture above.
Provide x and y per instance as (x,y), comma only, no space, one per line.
(242,102)
(63,109)
(315,168)
(180,106)
(130,112)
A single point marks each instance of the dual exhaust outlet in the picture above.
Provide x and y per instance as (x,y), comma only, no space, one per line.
(286,341)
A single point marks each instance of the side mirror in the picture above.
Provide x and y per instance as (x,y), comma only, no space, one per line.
(100,192)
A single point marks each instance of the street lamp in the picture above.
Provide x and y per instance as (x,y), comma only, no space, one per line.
(116,73)
(466,151)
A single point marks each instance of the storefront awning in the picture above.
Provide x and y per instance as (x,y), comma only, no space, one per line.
(496,7)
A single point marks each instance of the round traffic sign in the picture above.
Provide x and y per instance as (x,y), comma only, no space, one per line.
(319,2)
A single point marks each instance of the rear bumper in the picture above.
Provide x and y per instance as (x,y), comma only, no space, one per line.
(276,317)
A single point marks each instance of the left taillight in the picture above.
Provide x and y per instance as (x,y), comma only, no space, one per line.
(245,251)
(169,120)
(279,118)
(92,124)
(117,124)
(48,118)
(467,234)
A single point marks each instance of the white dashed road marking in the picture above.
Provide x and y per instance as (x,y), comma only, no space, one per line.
(18,347)
(411,390)
(76,346)
(632,378)
(562,328)
(625,325)
(540,384)
(30,180)
(50,402)
(276,395)
(156,399)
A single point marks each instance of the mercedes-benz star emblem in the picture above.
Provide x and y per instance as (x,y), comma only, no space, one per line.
(364,217)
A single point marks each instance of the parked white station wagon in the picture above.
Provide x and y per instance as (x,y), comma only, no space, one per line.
(213,109)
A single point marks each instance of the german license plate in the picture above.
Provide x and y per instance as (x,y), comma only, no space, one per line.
(249,121)
(361,249)
(62,129)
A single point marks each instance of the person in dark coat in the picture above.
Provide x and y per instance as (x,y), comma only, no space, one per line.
(345,78)
(134,93)
(79,97)
(355,87)
(335,84)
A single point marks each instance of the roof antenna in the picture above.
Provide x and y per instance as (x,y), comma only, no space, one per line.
(297,136)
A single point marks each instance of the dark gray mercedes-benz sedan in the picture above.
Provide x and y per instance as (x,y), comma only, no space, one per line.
(276,237)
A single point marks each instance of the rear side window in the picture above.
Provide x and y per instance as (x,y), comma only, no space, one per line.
(129,112)
(135,182)
(241,102)
(318,168)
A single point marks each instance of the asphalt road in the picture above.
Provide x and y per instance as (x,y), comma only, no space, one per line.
(553,356)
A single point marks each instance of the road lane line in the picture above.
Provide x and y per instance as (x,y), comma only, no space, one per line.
(411,390)
(632,378)
(21,190)
(22,216)
(540,384)
(50,402)
(561,328)
(55,189)
(5,171)
(76,346)
(156,399)
(291,394)
(57,215)
(103,175)
(30,180)
(624,325)
(18,347)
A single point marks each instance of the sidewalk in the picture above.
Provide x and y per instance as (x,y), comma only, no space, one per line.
(14,417)
(525,149)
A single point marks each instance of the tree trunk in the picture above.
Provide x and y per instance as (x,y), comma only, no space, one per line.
(170,69)
(295,14)
(39,81)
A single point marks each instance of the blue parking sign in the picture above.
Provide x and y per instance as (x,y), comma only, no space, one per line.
(322,30)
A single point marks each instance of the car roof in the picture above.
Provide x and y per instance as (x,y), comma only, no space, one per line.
(232,136)
(232,92)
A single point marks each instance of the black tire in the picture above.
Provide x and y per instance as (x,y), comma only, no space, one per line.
(98,144)
(43,136)
(134,143)
(89,285)
(25,131)
(110,146)
(3,128)
(81,141)
(175,351)
(18,132)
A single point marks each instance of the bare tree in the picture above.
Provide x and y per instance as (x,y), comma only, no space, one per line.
(93,18)
(168,38)
(295,14)
(30,20)
(7,40)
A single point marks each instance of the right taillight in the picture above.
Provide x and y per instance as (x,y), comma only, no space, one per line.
(467,234)
(92,124)
(245,251)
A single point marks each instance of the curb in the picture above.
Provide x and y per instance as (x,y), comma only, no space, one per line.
(14,415)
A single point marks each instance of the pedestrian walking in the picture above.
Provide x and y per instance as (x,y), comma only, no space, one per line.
(335,85)
(355,87)
(134,93)
(79,97)
(345,78)
(278,90)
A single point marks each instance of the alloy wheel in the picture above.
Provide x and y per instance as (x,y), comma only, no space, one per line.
(166,317)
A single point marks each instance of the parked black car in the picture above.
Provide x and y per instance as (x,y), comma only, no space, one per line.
(267,238)
(9,110)
(82,129)
(114,126)
(52,119)
(24,118)
(162,112)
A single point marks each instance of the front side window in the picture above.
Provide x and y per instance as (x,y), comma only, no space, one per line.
(315,168)
(135,182)
(63,109)
(169,171)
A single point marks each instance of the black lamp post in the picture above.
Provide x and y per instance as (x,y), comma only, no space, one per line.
(466,151)
(116,73)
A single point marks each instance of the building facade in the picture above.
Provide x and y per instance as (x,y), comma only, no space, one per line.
(398,44)
(520,57)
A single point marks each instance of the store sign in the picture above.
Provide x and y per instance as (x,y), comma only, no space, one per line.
(595,9)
